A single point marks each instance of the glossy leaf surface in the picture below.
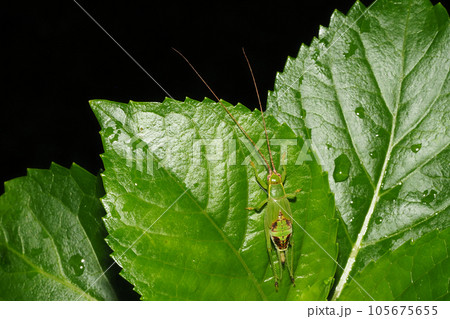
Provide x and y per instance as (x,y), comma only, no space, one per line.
(372,92)
(52,237)
(178,180)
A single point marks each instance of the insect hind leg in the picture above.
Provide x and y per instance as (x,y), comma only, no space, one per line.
(269,252)
(290,261)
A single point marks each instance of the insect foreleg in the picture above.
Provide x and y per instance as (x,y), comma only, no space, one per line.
(260,181)
(260,206)
(293,195)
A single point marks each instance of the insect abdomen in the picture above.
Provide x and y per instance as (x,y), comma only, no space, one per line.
(281,232)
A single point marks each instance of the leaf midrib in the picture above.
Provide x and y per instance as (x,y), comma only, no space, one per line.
(376,196)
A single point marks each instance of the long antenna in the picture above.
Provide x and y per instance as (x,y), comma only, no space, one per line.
(260,107)
(226,109)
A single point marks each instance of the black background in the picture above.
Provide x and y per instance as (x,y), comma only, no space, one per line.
(55,59)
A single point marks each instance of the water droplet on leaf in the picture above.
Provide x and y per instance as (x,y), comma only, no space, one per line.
(302,113)
(108,131)
(77,263)
(341,168)
(324,41)
(356,202)
(315,54)
(351,50)
(359,111)
(429,196)
(416,147)
(115,138)
(382,134)
(378,220)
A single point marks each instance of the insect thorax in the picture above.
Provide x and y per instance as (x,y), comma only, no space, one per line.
(276,191)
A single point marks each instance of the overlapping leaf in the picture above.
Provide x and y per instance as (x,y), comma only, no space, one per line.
(177,184)
(372,92)
(52,237)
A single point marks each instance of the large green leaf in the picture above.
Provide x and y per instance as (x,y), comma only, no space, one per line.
(372,92)
(52,237)
(176,194)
